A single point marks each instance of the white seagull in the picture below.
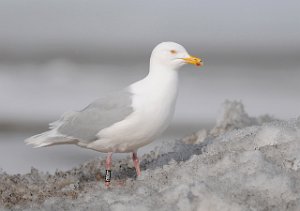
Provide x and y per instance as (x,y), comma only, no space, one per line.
(128,119)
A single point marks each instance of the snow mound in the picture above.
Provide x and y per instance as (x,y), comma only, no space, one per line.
(243,163)
(278,132)
(233,116)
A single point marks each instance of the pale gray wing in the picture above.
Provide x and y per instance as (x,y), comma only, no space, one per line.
(84,125)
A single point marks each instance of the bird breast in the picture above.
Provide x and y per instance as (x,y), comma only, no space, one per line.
(153,108)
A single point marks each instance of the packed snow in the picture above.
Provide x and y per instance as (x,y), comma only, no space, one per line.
(243,163)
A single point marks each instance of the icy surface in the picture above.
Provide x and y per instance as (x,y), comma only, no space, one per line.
(243,163)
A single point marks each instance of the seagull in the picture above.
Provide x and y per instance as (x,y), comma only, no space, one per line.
(125,120)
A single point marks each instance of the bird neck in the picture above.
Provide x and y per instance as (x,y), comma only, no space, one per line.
(161,80)
(162,73)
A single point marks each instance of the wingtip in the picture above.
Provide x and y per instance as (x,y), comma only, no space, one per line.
(35,141)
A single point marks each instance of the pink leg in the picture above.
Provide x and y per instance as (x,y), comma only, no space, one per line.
(136,163)
(108,169)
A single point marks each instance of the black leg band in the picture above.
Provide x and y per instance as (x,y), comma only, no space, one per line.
(107,175)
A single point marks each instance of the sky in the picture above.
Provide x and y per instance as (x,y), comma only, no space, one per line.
(235,38)
(84,28)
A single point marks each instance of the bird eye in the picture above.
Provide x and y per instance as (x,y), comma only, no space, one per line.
(173,51)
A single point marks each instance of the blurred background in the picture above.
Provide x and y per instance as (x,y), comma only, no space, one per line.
(60,55)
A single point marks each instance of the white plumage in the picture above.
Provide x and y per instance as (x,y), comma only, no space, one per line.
(127,120)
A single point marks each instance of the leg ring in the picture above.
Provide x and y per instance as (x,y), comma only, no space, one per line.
(107,175)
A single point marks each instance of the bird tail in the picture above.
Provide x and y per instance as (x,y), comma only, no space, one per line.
(48,138)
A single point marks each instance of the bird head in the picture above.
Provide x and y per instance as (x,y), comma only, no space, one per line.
(171,54)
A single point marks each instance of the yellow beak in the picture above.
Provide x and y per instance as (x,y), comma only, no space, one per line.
(193,60)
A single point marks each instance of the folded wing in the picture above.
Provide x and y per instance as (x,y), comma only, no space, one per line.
(81,127)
